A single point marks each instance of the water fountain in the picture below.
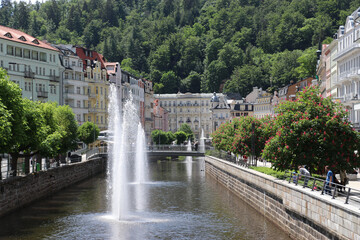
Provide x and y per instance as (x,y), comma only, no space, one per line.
(128,138)
(202,141)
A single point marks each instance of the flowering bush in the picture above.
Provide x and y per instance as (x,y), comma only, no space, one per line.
(313,131)
(236,136)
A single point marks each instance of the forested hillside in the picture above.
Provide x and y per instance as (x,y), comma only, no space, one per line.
(192,45)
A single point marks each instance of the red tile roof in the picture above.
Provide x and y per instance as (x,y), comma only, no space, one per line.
(111,64)
(21,37)
(80,51)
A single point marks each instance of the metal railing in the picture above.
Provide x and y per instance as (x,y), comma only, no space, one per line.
(335,190)
(171,148)
(230,157)
(46,163)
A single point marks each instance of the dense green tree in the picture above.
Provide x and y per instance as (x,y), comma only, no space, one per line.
(187,129)
(5,12)
(180,137)
(22,16)
(92,33)
(88,132)
(159,137)
(213,38)
(171,81)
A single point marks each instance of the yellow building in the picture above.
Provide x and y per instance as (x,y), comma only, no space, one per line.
(98,90)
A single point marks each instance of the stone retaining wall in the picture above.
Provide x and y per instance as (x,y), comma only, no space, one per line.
(300,212)
(20,191)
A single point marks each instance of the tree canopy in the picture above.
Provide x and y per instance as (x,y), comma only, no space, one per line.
(193,46)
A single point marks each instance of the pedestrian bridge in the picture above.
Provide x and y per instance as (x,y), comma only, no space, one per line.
(174,151)
(157,151)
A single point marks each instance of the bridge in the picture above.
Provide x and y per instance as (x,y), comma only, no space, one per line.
(155,151)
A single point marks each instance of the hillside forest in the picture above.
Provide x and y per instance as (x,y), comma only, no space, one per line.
(192,45)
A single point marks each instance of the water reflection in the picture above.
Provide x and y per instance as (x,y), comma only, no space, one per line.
(177,208)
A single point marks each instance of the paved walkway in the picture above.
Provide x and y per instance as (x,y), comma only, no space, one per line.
(355,184)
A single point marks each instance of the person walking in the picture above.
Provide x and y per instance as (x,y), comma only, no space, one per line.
(304,172)
(329,180)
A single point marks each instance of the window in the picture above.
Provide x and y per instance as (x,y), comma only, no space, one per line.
(26,86)
(78,104)
(102,120)
(1,63)
(35,55)
(66,63)
(1,47)
(97,90)
(44,71)
(43,57)
(89,118)
(18,52)
(78,89)
(97,119)
(10,50)
(101,90)
(73,63)
(26,53)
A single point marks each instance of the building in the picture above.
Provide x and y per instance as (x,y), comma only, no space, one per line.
(298,87)
(98,86)
(220,110)
(346,88)
(149,106)
(161,120)
(255,93)
(263,106)
(136,86)
(195,109)
(75,87)
(33,64)
(240,108)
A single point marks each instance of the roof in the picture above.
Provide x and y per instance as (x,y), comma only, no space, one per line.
(214,98)
(21,37)
(80,51)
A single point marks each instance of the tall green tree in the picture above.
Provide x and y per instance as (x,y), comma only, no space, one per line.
(88,132)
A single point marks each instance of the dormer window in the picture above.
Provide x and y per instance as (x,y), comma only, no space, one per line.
(8,35)
(35,41)
(22,38)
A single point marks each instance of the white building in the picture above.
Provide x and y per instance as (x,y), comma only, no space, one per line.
(74,85)
(195,109)
(32,64)
(347,84)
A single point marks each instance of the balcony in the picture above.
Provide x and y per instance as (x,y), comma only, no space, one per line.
(42,94)
(96,110)
(29,74)
(54,78)
(91,95)
(342,53)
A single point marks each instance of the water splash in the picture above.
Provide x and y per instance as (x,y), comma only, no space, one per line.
(202,142)
(121,153)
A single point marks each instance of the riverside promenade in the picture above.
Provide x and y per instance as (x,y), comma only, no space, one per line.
(303,213)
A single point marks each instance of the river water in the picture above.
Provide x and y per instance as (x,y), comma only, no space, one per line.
(181,203)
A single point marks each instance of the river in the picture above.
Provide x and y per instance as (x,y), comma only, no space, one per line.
(181,203)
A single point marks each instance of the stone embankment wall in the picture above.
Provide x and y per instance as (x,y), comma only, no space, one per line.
(300,212)
(19,191)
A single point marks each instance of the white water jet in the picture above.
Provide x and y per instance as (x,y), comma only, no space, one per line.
(121,148)
(188,160)
(188,146)
(141,158)
(202,142)
(141,166)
